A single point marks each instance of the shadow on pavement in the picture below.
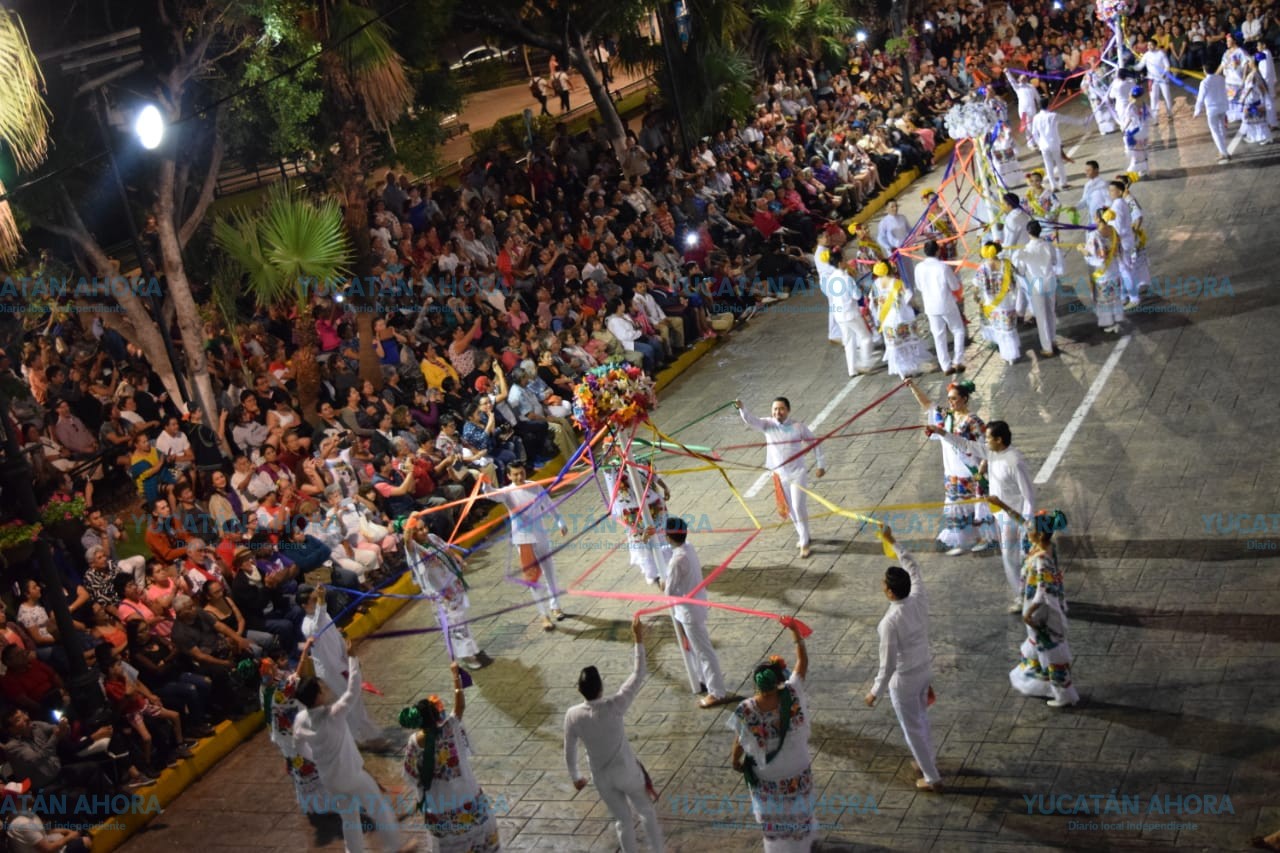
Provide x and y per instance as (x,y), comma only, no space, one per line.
(1250,627)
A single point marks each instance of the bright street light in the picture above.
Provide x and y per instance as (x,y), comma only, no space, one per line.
(861,36)
(149,127)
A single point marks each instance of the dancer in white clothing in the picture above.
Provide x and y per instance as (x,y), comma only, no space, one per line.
(322,727)
(1037,267)
(529,507)
(1212,98)
(1156,63)
(906,663)
(1028,103)
(1010,480)
(892,235)
(1047,136)
(1134,121)
(787,442)
(438,573)
(941,293)
(1232,69)
(904,353)
(841,290)
(619,777)
(330,656)
(1123,224)
(1104,113)
(1253,96)
(684,574)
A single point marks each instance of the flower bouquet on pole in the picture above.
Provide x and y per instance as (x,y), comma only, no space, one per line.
(618,399)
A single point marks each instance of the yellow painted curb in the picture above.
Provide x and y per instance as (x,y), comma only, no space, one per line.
(175,780)
(231,734)
(900,183)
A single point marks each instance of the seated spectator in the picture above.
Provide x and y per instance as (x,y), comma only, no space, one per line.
(100,531)
(45,753)
(151,472)
(165,535)
(33,616)
(159,666)
(30,684)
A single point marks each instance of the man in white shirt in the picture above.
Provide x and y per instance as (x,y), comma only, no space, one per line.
(1047,137)
(841,291)
(529,506)
(1094,196)
(322,726)
(787,442)
(173,443)
(940,291)
(906,664)
(619,778)
(1038,286)
(1212,98)
(1156,62)
(684,575)
(892,233)
(1028,102)
(1010,481)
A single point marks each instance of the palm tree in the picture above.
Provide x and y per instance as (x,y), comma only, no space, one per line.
(287,250)
(365,84)
(24,118)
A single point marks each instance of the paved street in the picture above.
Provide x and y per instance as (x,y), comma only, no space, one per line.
(483,109)
(1172,594)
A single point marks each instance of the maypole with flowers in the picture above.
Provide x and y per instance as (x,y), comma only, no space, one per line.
(617,399)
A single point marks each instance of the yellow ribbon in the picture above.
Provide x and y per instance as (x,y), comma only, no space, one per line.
(713,464)
(889,301)
(1006,281)
(857,515)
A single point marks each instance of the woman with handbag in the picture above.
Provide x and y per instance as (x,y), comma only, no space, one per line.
(771,750)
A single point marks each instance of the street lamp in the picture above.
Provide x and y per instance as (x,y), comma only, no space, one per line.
(150,127)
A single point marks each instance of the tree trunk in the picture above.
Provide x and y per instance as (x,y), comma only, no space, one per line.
(137,325)
(580,60)
(306,370)
(175,275)
(898,13)
(355,215)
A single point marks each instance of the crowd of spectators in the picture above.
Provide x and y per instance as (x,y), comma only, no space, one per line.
(490,300)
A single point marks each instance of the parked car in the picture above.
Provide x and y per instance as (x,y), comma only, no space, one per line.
(485,53)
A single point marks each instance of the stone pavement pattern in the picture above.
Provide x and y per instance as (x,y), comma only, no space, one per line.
(1172,613)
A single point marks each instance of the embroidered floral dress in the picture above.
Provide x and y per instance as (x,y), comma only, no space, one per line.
(282,708)
(1102,253)
(455,809)
(1044,668)
(997,293)
(896,320)
(783,799)
(439,576)
(963,525)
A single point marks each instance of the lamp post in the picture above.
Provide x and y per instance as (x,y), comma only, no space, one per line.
(150,129)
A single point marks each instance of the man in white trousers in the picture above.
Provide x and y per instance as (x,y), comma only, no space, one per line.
(1212,98)
(940,291)
(322,726)
(892,233)
(1156,62)
(1010,481)
(1035,264)
(906,664)
(1123,223)
(529,506)
(1028,102)
(684,574)
(787,443)
(820,252)
(841,290)
(1045,133)
(618,776)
